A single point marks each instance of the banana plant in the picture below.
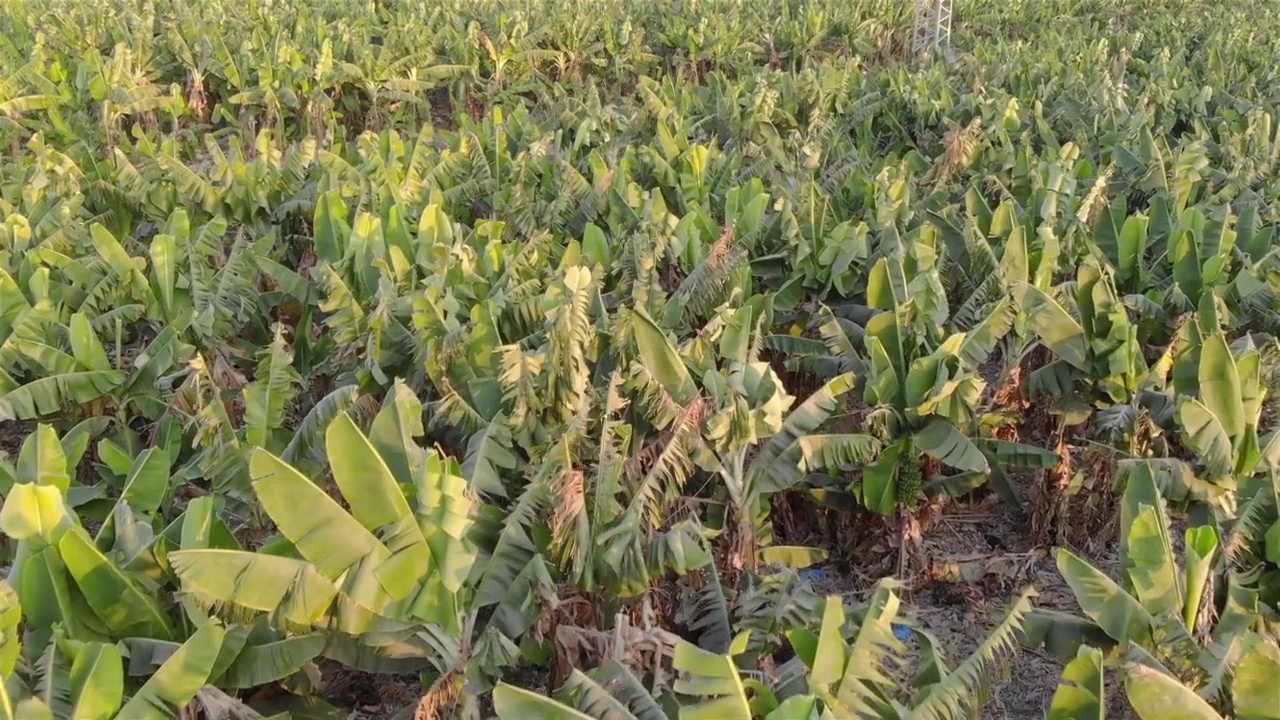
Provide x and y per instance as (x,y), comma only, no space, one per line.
(854,677)
(921,383)
(706,683)
(389,78)
(123,87)
(90,598)
(1218,395)
(1158,695)
(53,358)
(1163,624)
(1201,252)
(115,585)
(86,380)
(1100,351)
(73,679)
(1209,393)
(715,256)
(392,584)
(231,416)
(75,330)
(277,84)
(94,586)
(740,429)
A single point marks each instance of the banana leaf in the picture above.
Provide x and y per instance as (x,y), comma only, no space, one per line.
(879,487)
(942,441)
(179,679)
(1080,695)
(320,529)
(1117,612)
(488,454)
(612,688)
(395,430)
(50,395)
(713,678)
(513,703)
(115,597)
(293,591)
(662,361)
(260,664)
(776,466)
(1220,388)
(97,682)
(1202,431)
(1056,328)
(34,511)
(1157,696)
(1254,690)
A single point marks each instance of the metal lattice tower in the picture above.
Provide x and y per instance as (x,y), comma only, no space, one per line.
(932,27)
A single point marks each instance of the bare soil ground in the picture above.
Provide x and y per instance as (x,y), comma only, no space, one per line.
(12,433)
(977,557)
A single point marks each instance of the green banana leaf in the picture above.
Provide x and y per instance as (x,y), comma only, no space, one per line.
(1156,696)
(144,490)
(1079,695)
(980,340)
(1220,388)
(179,679)
(1056,328)
(1200,548)
(776,466)
(834,451)
(293,591)
(513,703)
(879,488)
(610,687)
(942,441)
(1018,455)
(164,268)
(43,460)
(305,448)
(1151,568)
(320,529)
(86,348)
(264,663)
(1202,431)
(1254,690)
(52,394)
(1117,612)
(34,511)
(273,387)
(394,432)
(115,597)
(488,454)
(444,514)
(713,677)
(661,359)
(378,503)
(330,227)
(97,682)
(868,661)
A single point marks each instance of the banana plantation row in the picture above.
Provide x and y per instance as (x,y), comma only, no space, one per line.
(429,345)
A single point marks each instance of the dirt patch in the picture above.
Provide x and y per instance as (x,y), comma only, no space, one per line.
(980,558)
(12,433)
(368,695)
(975,559)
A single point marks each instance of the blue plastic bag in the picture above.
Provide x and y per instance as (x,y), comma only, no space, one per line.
(813,573)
